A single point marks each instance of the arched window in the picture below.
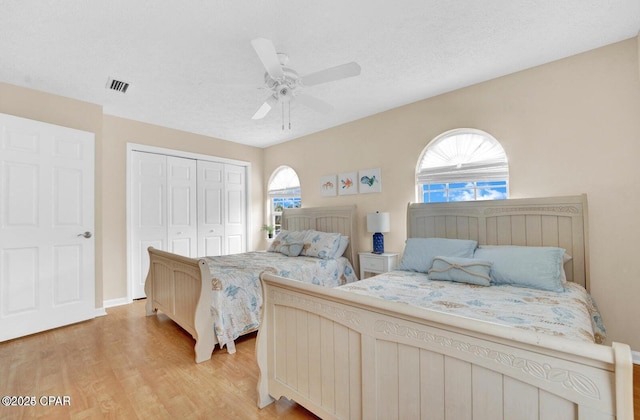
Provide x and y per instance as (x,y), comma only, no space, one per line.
(284,192)
(462,165)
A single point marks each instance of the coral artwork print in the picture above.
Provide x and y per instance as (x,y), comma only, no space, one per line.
(347,183)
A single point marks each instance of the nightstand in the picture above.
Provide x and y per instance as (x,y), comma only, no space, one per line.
(377,263)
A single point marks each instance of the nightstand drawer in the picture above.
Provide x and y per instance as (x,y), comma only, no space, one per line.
(377,263)
(372,263)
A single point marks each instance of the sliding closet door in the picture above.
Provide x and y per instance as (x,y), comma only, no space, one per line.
(148,213)
(235,216)
(163,210)
(222,214)
(210,208)
(182,228)
(185,206)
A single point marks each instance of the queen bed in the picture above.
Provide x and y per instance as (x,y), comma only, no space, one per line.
(404,345)
(217,299)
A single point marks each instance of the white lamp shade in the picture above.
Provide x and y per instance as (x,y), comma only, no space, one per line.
(377,222)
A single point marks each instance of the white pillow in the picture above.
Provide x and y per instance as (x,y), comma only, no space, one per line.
(320,244)
(344,243)
(565,259)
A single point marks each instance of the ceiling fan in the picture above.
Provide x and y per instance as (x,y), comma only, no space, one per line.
(285,83)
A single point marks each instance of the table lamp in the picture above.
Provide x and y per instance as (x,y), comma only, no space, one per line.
(378,222)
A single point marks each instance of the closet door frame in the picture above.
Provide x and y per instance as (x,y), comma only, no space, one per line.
(134,147)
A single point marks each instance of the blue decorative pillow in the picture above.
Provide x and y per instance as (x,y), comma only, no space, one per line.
(419,252)
(291,249)
(275,245)
(535,267)
(464,270)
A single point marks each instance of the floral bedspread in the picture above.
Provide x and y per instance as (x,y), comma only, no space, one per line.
(237,296)
(571,314)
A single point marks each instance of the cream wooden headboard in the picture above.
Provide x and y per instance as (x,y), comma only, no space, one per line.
(341,219)
(551,221)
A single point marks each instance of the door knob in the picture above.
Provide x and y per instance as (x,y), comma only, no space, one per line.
(87,234)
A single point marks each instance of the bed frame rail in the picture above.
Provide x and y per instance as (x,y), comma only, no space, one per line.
(342,355)
(181,288)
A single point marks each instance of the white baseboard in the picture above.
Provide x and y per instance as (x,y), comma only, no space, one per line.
(116,302)
(100,312)
(635,355)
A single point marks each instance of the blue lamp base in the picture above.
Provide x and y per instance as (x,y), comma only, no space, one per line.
(378,243)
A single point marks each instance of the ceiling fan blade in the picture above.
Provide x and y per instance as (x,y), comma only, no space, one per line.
(269,57)
(314,103)
(334,73)
(265,108)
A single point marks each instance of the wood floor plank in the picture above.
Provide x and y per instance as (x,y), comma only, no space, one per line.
(127,365)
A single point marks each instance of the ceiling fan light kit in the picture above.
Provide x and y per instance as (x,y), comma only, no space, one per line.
(286,85)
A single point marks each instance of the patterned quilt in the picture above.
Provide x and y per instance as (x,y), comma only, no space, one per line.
(237,296)
(571,314)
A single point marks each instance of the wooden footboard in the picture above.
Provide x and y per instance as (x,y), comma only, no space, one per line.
(180,287)
(342,355)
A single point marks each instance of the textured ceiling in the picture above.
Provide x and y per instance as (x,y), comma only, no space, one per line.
(192,67)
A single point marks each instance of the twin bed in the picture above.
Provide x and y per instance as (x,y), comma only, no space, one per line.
(400,345)
(217,299)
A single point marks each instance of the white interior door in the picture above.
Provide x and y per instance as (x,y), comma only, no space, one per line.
(210,208)
(148,213)
(47,275)
(235,227)
(182,227)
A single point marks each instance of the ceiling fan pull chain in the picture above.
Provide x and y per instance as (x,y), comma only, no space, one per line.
(289,115)
(282,116)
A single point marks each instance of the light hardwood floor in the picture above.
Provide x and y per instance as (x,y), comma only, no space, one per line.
(127,366)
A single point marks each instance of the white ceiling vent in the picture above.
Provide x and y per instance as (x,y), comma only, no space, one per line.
(117,85)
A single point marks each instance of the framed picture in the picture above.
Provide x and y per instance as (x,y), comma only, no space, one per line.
(328,185)
(348,183)
(370,181)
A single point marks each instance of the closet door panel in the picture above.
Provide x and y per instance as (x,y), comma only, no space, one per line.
(148,213)
(210,208)
(235,220)
(182,226)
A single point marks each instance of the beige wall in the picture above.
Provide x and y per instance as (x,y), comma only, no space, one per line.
(568,127)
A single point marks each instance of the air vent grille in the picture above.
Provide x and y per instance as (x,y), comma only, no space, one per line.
(117,85)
